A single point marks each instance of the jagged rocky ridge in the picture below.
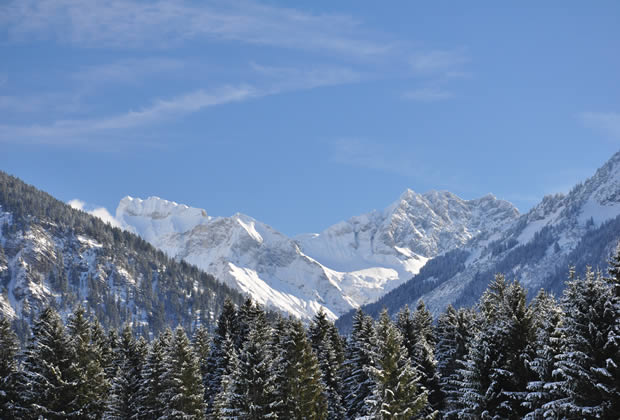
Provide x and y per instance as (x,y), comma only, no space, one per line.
(349,264)
(53,254)
(579,228)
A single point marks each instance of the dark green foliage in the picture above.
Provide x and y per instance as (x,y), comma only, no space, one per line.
(455,331)
(90,384)
(358,386)
(9,347)
(587,367)
(396,393)
(46,385)
(299,380)
(325,343)
(183,392)
(496,374)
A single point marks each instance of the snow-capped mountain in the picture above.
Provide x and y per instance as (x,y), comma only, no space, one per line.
(577,229)
(52,254)
(349,264)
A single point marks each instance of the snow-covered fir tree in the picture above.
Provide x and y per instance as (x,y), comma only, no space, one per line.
(46,387)
(183,391)
(90,383)
(250,389)
(201,343)
(587,367)
(149,405)
(123,399)
(325,339)
(227,329)
(455,330)
(299,381)
(396,393)
(548,318)
(358,386)
(496,373)
(9,348)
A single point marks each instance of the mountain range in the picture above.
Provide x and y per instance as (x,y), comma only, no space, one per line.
(435,246)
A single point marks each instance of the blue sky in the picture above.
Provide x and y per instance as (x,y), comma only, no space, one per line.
(302,114)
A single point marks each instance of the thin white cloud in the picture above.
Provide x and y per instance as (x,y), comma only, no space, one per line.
(439,62)
(131,23)
(82,130)
(608,122)
(127,71)
(72,131)
(100,212)
(295,78)
(428,95)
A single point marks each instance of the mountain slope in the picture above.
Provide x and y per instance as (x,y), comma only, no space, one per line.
(350,264)
(582,227)
(53,254)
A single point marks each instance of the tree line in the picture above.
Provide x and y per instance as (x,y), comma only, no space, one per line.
(505,358)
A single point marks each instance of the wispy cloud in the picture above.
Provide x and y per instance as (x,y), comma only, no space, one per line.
(82,130)
(295,78)
(427,94)
(608,122)
(74,131)
(445,63)
(127,71)
(132,23)
(100,212)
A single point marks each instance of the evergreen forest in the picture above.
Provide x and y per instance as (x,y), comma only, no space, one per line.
(504,358)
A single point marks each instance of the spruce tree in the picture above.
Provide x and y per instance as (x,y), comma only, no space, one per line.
(299,378)
(47,386)
(587,367)
(548,318)
(217,364)
(455,330)
(149,405)
(250,388)
(496,373)
(123,399)
(396,394)
(202,346)
(324,343)
(90,384)
(183,391)
(8,369)
(358,386)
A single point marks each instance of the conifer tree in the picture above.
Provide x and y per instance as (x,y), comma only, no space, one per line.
(46,387)
(90,384)
(183,391)
(587,367)
(496,373)
(548,318)
(419,340)
(8,369)
(324,342)
(202,346)
(455,330)
(396,394)
(217,364)
(123,399)
(358,386)
(299,381)
(250,390)
(149,405)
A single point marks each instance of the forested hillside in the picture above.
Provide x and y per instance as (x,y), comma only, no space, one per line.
(504,358)
(52,254)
